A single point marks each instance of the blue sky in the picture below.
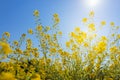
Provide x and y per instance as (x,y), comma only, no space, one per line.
(16,16)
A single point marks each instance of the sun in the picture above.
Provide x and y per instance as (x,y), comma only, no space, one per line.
(93,3)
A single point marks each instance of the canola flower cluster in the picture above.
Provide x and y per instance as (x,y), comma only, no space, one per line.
(87,55)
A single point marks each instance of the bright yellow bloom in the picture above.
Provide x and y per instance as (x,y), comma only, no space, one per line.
(18,50)
(80,40)
(57,20)
(23,35)
(30,31)
(83,35)
(112,24)
(5,48)
(77,29)
(60,32)
(52,50)
(7,34)
(101,47)
(104,38)
(91,14)
(35,77)
(103,23)
(84,20)
(7,76)
(39,28)
(60,51)
(55,15)
(72,34)
(74,46)
(118,36)
(36,13)
(113,49)
(86,44)
(112,35)
(47,36)
(71,40)
(92,26)
(67,44)
(15,43)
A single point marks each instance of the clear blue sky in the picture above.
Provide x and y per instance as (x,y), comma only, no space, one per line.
(16,16)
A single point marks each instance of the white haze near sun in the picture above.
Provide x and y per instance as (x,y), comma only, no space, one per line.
(92,3)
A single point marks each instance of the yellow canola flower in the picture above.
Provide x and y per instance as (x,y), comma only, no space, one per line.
(83,35)
(55,15)
(7,34)
(67,44)
(39,28)
(5,47)
(92,26)
(104,38)
(86,44)
(84,20)
(36,13)
(23,35)
(15,43)
(101,47)
(30,31)
(72,34)
(77,29)
(47,36)
(112,24)
(60,32)
(35,77)
(91,14)
(53,50)
(113,49)
(56,18)
(18,50)
(7,76)
(118,36)
(103,23)
(79,40)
